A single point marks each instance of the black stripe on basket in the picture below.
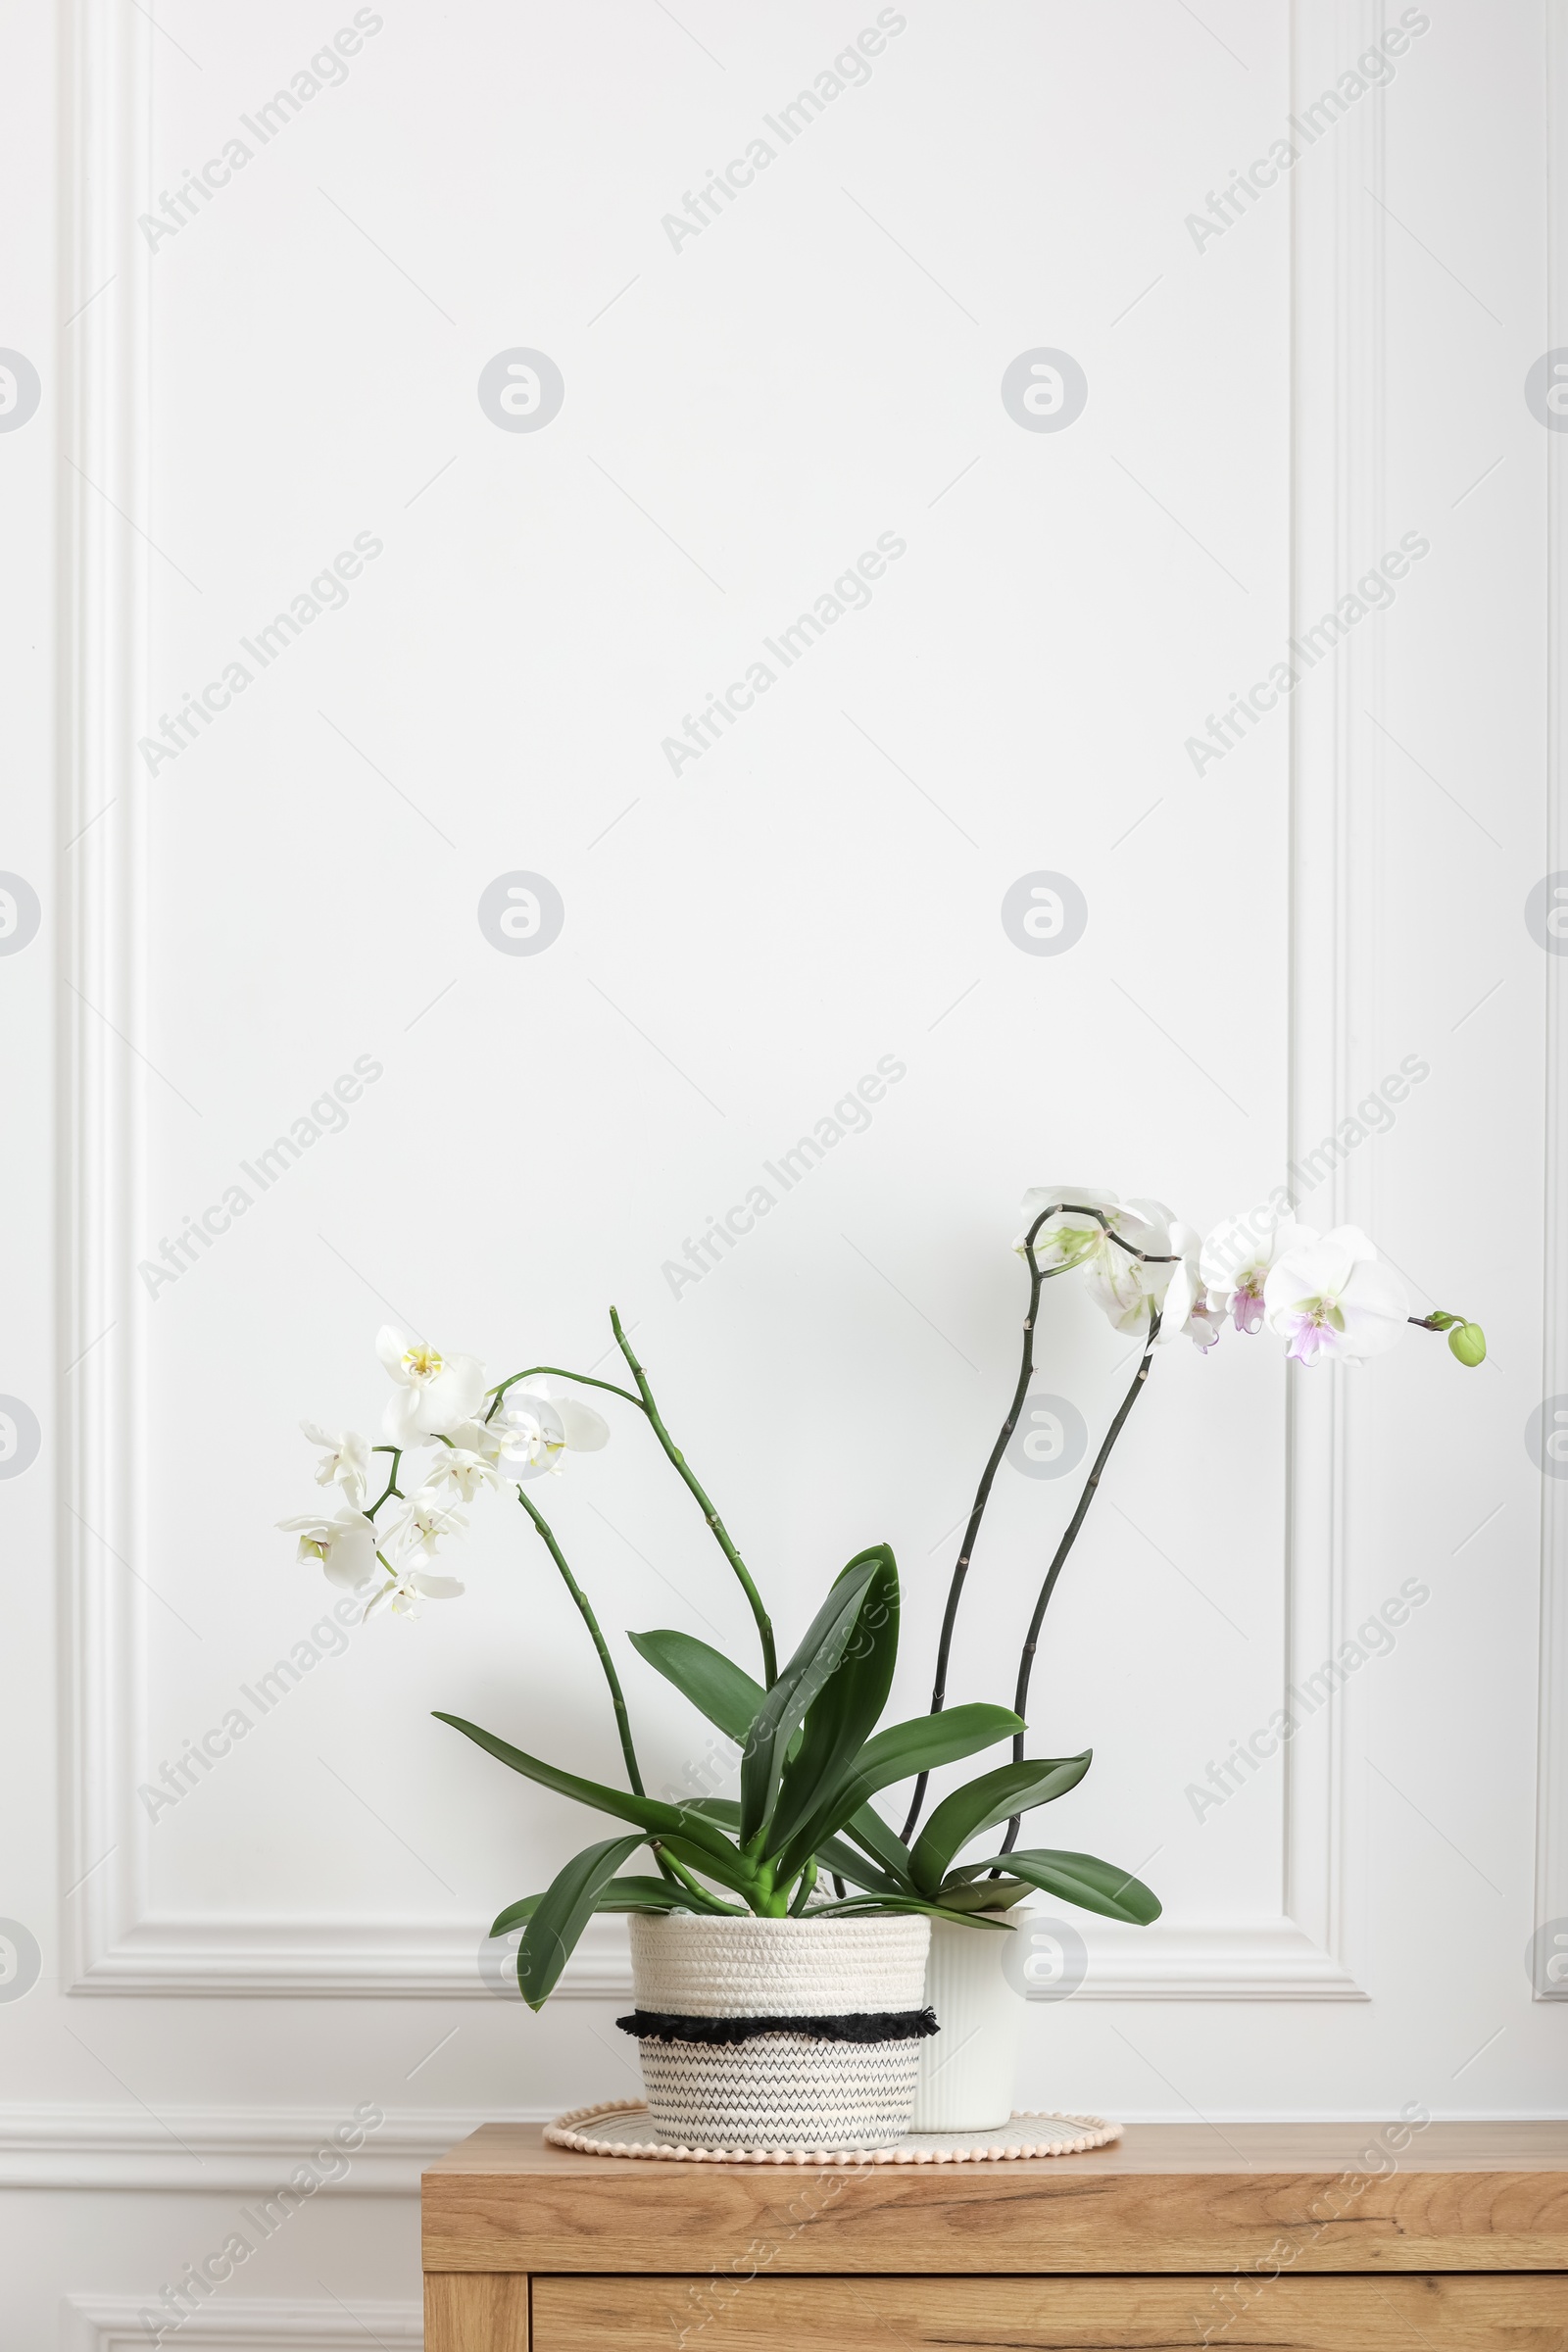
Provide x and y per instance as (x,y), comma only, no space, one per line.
(854,2025)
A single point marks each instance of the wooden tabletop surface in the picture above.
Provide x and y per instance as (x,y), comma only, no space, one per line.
(517,2151)
(1169,2197)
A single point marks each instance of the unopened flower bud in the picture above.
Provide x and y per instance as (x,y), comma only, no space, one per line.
(1468,1342)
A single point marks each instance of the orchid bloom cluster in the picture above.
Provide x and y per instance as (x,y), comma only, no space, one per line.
(1327,1297)
(461,1437)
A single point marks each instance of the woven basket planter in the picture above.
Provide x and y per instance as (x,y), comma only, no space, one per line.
(771,2034)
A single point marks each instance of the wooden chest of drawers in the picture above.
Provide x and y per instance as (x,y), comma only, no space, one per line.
(1318,2238)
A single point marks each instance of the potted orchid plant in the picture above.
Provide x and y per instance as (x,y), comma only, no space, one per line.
(780,1941)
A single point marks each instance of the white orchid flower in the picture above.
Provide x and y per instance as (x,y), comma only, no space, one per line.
(409,1551)
(345,1547)
(402,1594)
(433,1392)
(1066,1240)
(1125,1285)
(1236,1262)
(345,1463)
(534,1427)
(483,1439)
(1189,1307)
(426,1517)
(1331,1298)
(460,1468)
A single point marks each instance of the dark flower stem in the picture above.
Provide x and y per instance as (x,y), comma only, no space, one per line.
(585,1606)
(950,1615)
(645,1395)
(1037,1275)
(1090,1485)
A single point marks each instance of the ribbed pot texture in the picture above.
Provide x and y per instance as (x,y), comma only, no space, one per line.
(967,2074)
(777,2089)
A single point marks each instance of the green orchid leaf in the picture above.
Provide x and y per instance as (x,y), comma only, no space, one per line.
(728,1869)
(980,1804)
(514,1914)
(560,1914)
(646,1811)
(645,1895)
(884,1845)
(857,1906)
(715,1685)
(904,1748)
(619,1895)
(1081,1879)
(826,1639)
(846,1710)
(722,1809)
(847,1862)
(984,1894)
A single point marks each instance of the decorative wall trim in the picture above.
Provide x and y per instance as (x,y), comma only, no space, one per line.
(238,2151)
(112,1941)
(111,2324)
(1338,525)
(103,375)
(1552,1803)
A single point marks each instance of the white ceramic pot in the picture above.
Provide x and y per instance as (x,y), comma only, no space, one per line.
(722,2066)
(966,2076)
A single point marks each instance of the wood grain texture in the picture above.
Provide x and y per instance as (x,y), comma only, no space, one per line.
(1169,2199)
(464,2312)
(1073,2315)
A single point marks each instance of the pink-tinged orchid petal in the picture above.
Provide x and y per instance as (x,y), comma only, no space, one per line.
(1241,1252)
(1333,1298)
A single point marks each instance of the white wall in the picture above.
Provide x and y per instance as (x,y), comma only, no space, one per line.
(745,411)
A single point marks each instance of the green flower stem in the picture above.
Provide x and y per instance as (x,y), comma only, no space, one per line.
(645,1395)
(1037,1276)
(559,1372)
(1091,1484)
(391,1487)
(617,1697)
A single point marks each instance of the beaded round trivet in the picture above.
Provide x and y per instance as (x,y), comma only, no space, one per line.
(616,2119)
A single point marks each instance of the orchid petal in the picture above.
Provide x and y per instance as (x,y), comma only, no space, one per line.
(1075,1195)
(1375,1307)
(401,1419)
(584,1429)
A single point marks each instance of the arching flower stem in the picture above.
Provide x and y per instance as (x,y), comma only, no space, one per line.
(1038,1275)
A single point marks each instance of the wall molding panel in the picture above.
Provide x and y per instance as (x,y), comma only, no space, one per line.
(115,1942)
(1338,500)
(241,2151)
(111,2324)
(1551,1808)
